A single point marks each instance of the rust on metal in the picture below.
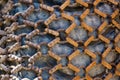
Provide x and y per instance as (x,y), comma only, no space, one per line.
(49,20)
(71,41)
(52,43)
(65,4)
(90,53)
(87,27)
(74,68)
(75,53)
(59,39)
(70,28)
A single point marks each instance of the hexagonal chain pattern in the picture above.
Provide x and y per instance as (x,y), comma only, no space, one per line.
(60,40)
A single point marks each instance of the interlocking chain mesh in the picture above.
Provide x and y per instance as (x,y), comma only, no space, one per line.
(59,39)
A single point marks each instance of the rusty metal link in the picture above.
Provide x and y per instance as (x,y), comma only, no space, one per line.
(14,57)
(33,33)
(113,1)
(102,26)
(76,78)
(65,4)
(88,77)
(100,13)
(89,41)
(30,23)
(5,68)
(49,20)
(9,17)
(90,66)
(54,56)
(16,69)
(32,44)
(28,11)
(74,68)
(106,52)
(7,7)
(116,24)
(12,27)
(106,40)
(32,58)
(82,3)
(71,18)
(14,37)
(87,27)
(106,64)
(87,51)
(117,40)
(117,72)
(71,41)
(47,7)
(14,47)
(36,69)
(50,31)
(96,2)
(77,52)
(59,66)
(115,13)
(85,13)
(52,43)
(70,28)
(109,76)
(3,40)
(36,41)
